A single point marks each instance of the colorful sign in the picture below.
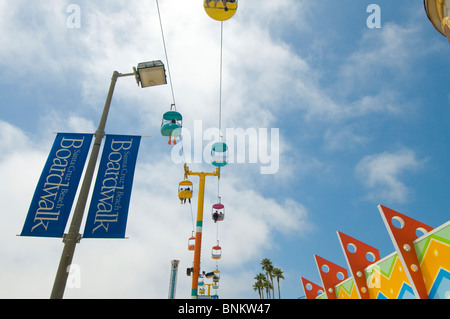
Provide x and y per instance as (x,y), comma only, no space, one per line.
(433,253)
(53,198)
(108,212)
(387,279)
(396,275)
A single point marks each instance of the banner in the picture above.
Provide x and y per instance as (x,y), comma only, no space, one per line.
(53,198)
(108,212)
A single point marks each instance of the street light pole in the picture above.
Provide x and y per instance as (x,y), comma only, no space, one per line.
(73,236)
(148,74)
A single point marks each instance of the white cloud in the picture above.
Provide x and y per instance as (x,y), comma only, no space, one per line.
(54,121)
(366,80)
(158,228)
(11,137)
(108,40)
(389,51)
(20,165)
(36,40)
(344,138)
(381,174)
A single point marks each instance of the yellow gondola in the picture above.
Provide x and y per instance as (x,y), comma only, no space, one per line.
(185,189)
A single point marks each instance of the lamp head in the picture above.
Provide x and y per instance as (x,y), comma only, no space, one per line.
(150,73)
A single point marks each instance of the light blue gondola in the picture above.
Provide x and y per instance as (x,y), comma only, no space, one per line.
(219,156)
(171,125)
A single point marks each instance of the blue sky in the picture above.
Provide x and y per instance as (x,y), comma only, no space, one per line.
(362,113)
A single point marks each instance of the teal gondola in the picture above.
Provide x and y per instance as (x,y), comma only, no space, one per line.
(171,125)
(219,155)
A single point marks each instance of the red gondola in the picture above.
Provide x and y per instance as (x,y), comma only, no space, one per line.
(218,212)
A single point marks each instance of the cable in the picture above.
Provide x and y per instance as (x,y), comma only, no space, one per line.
(217,238)
(170,76)
(165,51)
(192,217)
(220,81)
(217,232)
(174,106)
(220,122)
(220,94)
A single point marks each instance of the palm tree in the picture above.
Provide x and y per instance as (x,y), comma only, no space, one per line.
(278,273)
(257,286)
(260,284)
(271,268)
(268,286)
(268,267)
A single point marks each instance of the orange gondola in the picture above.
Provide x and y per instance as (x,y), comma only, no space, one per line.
(191,243)
(216,252)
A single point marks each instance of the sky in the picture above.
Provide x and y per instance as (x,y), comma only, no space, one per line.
(340,118)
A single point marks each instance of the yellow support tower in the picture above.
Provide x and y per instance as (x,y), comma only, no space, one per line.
(199,225)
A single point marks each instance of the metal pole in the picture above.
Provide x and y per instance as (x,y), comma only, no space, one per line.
(199,225)
(173,278)
(198,237)
(74,236)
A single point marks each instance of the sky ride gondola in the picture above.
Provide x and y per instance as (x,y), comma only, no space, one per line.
(216,277)
(219,154)
(216,252)
(201,281)
(191,243)
(185,190)
(171,125)
(218,212)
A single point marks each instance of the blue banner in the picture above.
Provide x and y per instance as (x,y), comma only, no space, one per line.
(108,212)
(53,198)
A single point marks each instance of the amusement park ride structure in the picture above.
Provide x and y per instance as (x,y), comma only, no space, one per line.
(216,254)
(171,126)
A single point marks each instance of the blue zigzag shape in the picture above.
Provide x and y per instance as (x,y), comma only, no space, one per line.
(406,292)
(441,285)
(381,296)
